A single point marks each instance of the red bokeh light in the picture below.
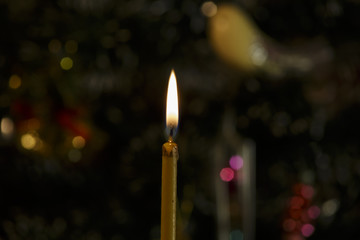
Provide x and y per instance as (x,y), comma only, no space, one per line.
(227,174)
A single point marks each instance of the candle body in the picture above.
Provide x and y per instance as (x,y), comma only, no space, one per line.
(170,156)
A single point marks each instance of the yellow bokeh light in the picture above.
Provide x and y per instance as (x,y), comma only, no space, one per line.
(14,81)
(71,46)
(66,63)
(78,142)
(54,46)
(28,141)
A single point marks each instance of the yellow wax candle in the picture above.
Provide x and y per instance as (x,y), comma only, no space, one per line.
(170,155)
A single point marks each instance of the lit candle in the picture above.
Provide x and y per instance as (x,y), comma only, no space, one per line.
(170,156)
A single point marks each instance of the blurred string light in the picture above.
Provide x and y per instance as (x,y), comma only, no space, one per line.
(66,63)
(14,81)
(7,127)
(298,223)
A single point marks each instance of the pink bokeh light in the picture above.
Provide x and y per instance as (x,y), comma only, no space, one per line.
(313,212)
(307,230)
(227,174)
(236,162)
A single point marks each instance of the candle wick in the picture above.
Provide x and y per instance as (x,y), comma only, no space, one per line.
(171,134)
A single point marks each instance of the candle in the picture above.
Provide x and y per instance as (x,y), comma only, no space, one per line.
(170,156)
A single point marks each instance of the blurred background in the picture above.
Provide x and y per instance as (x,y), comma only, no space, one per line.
(269,126)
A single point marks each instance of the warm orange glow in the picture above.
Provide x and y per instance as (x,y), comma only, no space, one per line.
(172,106)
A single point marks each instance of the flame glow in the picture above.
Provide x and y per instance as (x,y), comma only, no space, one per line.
(172,106)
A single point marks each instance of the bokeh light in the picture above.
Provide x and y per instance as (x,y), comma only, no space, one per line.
(227,174)
(330,207)
(7,127)
(236,162)
(78,142)
(28,141)
(313,212)
(66,63)
(258,54)
(296,202)
(209,9)
(307,191)
(307,230)
(14,81)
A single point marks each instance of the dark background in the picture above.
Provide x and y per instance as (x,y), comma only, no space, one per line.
(305,126)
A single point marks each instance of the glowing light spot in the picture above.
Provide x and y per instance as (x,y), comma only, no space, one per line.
(226,174)
(14,81)
(7,126)
(330,207)
(296,202)
(78,142)
(28,141)
(307,230)
(313,212)
(54,46)
(209,9)
(236,235)
(71,46)
(66,63)
(74,155)
(236,162)
(307,191)
(289,225)
(258,54)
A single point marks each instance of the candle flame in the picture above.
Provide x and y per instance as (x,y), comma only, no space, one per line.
(172,106)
